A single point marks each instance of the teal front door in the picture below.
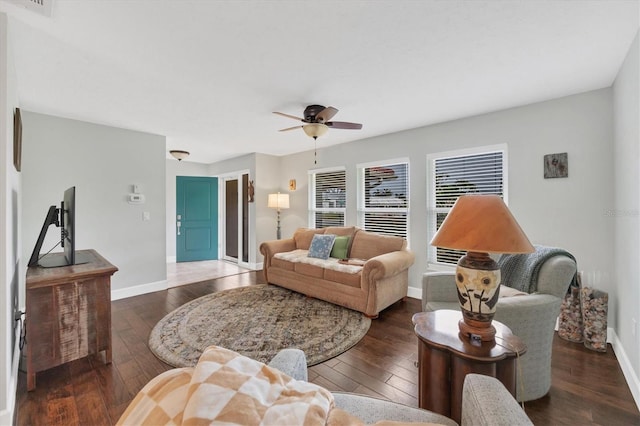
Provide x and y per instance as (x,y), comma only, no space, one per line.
(196,218)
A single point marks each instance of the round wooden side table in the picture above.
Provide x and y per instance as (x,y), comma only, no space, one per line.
(445,358)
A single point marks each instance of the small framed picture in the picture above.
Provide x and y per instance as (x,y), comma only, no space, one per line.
(17,140)
(556,166)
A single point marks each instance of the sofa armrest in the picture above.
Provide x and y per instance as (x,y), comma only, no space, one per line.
(485,401)
(270,248)
(438,287)
(291,362)
(387,265)
(555,276)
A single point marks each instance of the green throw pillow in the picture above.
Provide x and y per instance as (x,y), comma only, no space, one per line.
(340,246)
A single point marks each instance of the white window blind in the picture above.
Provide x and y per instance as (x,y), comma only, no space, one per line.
(327,198)
(384,198)
(453,176)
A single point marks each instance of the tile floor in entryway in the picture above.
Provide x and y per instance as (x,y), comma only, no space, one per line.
(182,273)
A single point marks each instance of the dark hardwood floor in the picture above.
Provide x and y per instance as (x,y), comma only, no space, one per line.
(588,387)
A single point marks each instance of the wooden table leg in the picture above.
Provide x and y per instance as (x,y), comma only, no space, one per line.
(31,381)
(433,380)
(31,375)
(506,373)
(460,367)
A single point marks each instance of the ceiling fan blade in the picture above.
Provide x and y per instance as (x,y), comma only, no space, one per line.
(289,116)
(326,114)
(290,128)
(344,125)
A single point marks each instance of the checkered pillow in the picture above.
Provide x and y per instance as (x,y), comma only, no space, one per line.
(226,387)
(161,401)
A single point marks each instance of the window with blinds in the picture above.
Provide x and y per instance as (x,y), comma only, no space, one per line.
(384,198)
(327,198)
(455,175)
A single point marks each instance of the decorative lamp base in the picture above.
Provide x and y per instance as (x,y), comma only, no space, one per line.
(486,334)
(478,285)
(278,232)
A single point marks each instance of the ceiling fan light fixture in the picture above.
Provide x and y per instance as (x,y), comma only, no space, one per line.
(178,154)
(313,130)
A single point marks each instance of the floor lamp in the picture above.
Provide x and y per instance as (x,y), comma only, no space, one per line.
(278,201)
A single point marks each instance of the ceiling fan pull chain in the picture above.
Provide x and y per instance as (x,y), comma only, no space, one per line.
(315,151)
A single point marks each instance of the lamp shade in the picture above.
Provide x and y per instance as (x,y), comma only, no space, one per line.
(481,223)
(278,201)
(314,130)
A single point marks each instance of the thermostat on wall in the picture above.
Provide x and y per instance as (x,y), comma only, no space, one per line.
(136,199)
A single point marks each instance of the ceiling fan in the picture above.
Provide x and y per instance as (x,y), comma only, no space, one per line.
(317,119)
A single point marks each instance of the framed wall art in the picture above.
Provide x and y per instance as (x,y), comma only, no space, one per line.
(556,166)
(17,140)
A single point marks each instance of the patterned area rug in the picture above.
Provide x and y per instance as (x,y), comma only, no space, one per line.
(257,321)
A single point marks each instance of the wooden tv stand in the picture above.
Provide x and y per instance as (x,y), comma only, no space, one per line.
(68,314)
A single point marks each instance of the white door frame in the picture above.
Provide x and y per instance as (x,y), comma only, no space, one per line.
(223,178)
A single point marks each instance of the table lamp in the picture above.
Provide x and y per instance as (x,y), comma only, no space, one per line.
(278,201)
(480,224)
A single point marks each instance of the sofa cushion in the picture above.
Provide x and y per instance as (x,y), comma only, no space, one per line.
(510,292)
(321,246)
(277,262)
(302,256)
(350,279)
(303,237)
(341,230)
(340,247)
(369,244)
(371,410)
(309,270)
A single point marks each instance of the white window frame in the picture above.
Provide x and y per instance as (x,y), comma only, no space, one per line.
(432,211)
(312,208)
(361,207)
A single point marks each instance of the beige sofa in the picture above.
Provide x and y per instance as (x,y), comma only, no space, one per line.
(383,279)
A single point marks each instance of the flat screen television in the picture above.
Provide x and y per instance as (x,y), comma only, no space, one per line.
(64,218)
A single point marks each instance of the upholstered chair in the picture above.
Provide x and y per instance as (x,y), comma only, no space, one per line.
(532,317)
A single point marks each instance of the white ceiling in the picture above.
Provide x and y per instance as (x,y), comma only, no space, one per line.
(208,74)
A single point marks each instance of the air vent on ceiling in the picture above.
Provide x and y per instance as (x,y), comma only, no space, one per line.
(42,7)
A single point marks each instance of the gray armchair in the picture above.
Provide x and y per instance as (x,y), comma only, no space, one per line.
(531,317)
(485,401)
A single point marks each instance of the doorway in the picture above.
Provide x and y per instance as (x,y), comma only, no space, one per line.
(236,223)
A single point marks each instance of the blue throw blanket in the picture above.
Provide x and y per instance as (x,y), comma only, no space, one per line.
(520,271)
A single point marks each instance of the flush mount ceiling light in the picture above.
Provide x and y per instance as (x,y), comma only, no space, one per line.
(179,155)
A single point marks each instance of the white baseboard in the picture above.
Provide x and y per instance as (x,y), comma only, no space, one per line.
(415,293)
(137,290)
(627,369)
(171,259)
